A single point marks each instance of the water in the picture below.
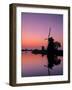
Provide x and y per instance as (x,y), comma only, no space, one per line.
(38,65)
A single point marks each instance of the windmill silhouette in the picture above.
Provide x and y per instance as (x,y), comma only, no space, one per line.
(47,40)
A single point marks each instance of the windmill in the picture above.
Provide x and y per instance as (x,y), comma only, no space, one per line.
(47,40)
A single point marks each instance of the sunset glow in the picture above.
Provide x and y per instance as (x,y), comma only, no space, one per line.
(35,28)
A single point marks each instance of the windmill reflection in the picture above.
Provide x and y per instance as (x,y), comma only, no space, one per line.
(52,60)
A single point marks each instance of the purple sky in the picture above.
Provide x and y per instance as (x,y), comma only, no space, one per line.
(35,28)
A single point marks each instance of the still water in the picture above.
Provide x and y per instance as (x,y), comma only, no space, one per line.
(38,65)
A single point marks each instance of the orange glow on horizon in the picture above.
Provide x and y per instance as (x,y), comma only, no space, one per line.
(32,41)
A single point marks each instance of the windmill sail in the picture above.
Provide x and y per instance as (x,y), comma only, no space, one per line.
(49,32)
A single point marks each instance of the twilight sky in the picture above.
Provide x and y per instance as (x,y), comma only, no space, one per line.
(35,28)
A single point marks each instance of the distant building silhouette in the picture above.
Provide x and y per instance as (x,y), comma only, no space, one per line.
(43,48)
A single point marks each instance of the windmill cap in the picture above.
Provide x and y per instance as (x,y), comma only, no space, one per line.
(50,39)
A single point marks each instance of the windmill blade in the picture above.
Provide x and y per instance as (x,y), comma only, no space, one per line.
(49,32)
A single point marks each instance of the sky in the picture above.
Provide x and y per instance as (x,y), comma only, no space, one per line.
(35,28)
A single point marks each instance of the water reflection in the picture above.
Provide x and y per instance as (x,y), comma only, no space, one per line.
(41,65)
(52,61)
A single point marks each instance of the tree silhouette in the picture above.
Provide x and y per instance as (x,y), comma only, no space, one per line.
(57,45)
